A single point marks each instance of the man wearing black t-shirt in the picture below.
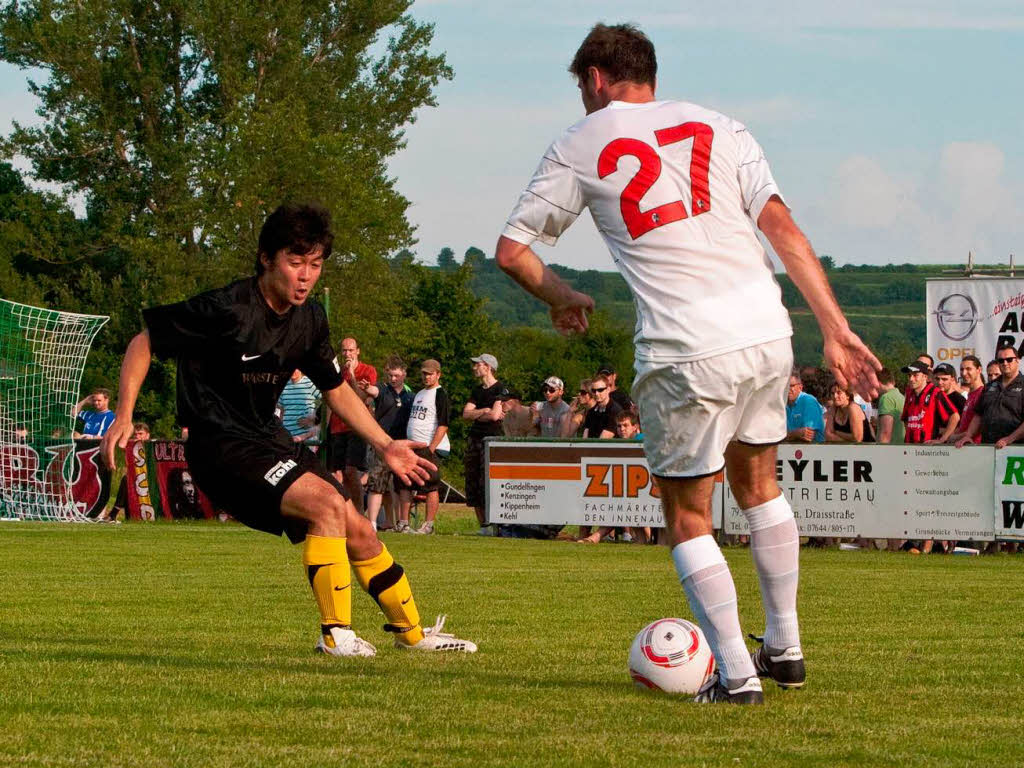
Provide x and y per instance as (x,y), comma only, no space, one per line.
(235,348)
(600,420)
(619,396)
(484,410)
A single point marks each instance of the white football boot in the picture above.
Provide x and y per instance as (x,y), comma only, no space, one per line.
(436,640)
(346,643)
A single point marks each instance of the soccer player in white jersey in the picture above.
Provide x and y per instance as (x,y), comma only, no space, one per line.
(676,191)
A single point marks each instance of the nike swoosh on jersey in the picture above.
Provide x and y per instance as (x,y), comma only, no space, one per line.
(247,358)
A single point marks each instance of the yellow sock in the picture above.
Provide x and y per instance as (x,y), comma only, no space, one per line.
(327,568)
(385,581)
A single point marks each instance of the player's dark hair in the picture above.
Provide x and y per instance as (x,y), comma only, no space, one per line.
(395,363)
(931,360)
(885,377)
(971,359)
(624,416)
(102,391)
(621,51)
(299,227)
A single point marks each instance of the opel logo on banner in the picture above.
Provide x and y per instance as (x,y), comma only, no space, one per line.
(957,316)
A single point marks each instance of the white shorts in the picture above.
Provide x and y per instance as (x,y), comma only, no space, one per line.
(691,411)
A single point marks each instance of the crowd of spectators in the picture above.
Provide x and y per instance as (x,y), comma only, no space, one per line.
(937,406)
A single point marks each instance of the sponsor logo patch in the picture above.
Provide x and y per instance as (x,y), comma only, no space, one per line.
(279,470)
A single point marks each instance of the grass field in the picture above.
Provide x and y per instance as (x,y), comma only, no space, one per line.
(191,645)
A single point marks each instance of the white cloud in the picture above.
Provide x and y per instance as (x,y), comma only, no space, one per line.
(964,202)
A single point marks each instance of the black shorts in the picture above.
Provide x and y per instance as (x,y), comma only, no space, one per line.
(473,461)
(248,476)
(347,450)
(432,483)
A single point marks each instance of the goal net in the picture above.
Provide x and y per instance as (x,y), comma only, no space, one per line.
(42,355)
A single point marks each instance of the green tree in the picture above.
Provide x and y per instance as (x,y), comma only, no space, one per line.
(183,123)
(446,259)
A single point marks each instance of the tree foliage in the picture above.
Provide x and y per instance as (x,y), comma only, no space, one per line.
(183,123)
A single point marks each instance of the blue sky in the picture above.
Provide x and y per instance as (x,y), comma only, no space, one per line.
(892,128)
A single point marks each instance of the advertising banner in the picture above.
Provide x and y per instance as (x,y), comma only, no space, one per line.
(37,474)
(1009,493)
(883,491)
(580,482)
(971,316)
(159,484)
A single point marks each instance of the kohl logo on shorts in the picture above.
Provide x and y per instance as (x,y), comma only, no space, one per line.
(279,470)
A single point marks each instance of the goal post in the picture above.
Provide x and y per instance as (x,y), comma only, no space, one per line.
(42,356)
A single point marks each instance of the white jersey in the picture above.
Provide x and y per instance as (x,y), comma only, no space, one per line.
(675,190)
(430,410)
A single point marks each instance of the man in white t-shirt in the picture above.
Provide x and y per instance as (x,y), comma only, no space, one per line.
(428,421)
(676,190)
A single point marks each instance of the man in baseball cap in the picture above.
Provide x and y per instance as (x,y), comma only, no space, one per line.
(620,396)
(553,416)
(490,360)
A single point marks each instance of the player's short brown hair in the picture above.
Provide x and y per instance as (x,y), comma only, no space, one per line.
(885,376)
(299,227)
(620,51)
(101,391)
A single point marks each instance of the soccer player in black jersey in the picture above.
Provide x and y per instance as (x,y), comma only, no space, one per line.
(235,348)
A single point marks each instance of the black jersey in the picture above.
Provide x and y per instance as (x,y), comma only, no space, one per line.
(235,354)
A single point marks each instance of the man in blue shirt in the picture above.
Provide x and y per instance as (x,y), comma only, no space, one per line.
(96,421)
(804,420)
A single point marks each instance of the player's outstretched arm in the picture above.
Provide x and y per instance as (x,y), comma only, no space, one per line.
(133,372)
(399,455)
(568,308)
(851,362)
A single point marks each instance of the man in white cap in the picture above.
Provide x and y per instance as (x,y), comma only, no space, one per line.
(484,410)
(553,415)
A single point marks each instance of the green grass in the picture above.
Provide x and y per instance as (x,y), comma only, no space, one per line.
(191,645)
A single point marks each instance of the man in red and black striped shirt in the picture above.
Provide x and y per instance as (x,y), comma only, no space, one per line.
(928,413)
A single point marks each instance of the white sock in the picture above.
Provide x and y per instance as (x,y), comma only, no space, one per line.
(775,547)
(708,583)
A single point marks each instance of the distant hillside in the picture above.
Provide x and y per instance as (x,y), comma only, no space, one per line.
(885,304)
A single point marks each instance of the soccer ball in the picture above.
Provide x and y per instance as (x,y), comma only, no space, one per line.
(671,655)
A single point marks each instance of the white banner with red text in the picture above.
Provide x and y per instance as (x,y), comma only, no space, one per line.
(972,316)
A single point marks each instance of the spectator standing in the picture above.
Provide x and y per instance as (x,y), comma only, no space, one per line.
(618,395)
(970,372)
(928,414)
(348,449)
(299,402)
(945,379)
(1001,405)
(391,410)
(96,420)
(804,420)
(992,370)
(890,409)
(428,423)
(846,421)
(553,417)
(600,420)
(485,411)
(627,426)
(580,405)
(517,419)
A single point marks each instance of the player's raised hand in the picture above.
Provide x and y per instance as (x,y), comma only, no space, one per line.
(852,363)
(570,316)
(401,458)
(120,431)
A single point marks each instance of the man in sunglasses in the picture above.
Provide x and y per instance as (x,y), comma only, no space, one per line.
(553,416)
(600,420)
(1001,406)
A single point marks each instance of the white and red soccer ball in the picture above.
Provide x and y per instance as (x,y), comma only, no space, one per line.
(671,655)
